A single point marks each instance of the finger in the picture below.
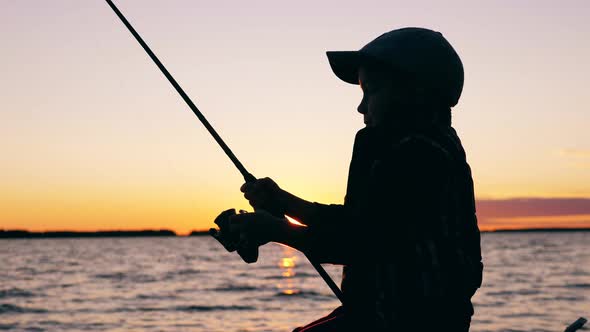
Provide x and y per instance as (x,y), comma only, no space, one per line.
(243,187)
(222,219)
(249,195)
(258,190)
(260,200)
(248,186)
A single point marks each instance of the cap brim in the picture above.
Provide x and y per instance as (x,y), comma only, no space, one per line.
(345,64)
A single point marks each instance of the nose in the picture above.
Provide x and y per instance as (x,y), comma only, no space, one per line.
(362,107)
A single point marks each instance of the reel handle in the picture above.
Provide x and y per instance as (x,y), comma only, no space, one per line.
(229,241)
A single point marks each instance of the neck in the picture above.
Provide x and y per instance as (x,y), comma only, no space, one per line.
(416,119)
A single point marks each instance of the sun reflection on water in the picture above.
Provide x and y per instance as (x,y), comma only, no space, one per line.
(287,265)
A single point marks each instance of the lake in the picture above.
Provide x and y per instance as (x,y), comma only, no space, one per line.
(532,282)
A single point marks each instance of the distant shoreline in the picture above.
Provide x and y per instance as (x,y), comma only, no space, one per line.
(538,230)
(22,234)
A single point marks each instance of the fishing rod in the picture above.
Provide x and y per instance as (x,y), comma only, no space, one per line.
(248,177)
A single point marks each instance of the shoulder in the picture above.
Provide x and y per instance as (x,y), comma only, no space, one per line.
(364,138)
(417,148)
(412,162)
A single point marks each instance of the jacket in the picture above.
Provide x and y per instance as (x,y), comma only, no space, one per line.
(407,232)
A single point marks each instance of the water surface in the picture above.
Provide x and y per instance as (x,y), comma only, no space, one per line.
(532,282)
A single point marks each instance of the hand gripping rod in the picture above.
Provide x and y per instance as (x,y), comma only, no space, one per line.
(247,176)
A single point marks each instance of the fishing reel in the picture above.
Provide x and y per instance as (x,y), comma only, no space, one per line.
(233,241)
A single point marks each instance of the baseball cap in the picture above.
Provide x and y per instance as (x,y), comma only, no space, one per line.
(423,54)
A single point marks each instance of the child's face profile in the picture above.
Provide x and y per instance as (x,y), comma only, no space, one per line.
(379,98)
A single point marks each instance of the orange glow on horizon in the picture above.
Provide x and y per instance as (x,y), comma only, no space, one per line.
(137,223)
(532,222)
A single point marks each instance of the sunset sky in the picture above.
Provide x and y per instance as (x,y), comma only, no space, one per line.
(94,137)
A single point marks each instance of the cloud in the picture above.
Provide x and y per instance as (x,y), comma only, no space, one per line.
(519,213)
(530,207)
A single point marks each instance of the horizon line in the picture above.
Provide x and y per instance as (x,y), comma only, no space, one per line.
(21,233)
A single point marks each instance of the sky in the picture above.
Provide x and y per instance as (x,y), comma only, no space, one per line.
(94,137)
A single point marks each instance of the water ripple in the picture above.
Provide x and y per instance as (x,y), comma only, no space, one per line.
(6,308)
(186,308)
(14,292)
(234,288)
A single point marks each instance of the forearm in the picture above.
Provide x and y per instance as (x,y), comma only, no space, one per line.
(311,213)
(292,235)
(324,222)
(324,247)
(298,208)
